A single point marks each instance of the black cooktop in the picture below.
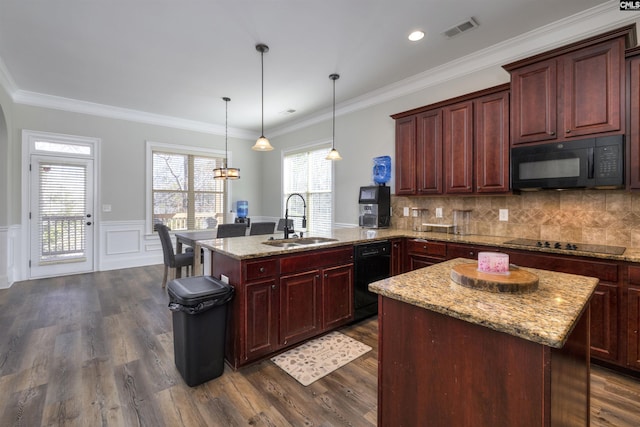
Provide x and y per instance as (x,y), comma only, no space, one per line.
(544,244)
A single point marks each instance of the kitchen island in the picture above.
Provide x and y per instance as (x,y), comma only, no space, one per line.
(450,355)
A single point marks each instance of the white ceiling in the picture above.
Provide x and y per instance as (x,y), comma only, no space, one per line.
(179,58)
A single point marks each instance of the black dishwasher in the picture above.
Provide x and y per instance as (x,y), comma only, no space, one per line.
(372,262)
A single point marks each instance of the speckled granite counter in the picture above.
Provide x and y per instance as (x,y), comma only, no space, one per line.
(253,247)
(545,316)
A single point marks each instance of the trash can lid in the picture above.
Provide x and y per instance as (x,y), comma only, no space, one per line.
(196,289)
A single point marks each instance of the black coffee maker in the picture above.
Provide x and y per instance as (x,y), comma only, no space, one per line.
(375,206)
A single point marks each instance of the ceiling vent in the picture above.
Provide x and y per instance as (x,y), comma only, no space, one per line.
(467,25)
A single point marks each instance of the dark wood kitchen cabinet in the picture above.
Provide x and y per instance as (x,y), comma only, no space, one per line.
(405,155)
(570,92)
(300,315)
(633,143)
(397,256)
(422,253)
(282,300)
(633,318)
(605,301)
(315,301)
(458,146)
(491,118)
(419,153)
(337,296)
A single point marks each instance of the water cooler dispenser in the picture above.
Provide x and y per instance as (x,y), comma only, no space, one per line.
(242,208)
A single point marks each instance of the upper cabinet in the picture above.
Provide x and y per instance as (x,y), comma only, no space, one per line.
(571,92)
(459,146)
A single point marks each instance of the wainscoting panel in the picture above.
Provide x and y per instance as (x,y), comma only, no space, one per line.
(125,244)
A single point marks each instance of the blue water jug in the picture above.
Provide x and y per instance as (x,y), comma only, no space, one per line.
(381,169)
(242,208)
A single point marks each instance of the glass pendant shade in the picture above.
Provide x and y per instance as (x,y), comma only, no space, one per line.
(333,154)
(226,172)
(262,144)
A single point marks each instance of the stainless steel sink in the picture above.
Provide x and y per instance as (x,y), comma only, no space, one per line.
(292,243)
(281,243)
(314,240)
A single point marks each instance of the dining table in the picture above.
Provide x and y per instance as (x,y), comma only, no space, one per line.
(191,238)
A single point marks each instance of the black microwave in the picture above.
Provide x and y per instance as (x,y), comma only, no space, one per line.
(585,163)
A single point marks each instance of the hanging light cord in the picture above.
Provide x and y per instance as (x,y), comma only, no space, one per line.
(333,141)
(262,83)
(226,131)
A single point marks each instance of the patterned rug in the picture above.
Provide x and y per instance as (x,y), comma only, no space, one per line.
(319,357)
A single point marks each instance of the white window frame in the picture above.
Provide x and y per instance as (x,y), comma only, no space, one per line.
(152,146)
(317,145)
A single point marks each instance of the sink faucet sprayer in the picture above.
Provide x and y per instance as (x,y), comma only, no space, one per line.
(286,215)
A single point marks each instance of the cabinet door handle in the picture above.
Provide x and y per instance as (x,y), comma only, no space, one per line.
(261,269)
(471,253)
(552,133)
(568,130)
(326,275)
(317,276)
(273,286)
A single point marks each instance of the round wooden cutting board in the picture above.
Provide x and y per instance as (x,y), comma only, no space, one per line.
(516,281)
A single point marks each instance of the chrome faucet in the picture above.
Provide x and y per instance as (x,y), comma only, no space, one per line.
(286,215)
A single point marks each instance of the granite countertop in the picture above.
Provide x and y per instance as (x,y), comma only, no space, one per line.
(252,246)
(545,316)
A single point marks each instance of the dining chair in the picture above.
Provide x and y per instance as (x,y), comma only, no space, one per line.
(262,228)
(281,225)
(231,230)
(173,262)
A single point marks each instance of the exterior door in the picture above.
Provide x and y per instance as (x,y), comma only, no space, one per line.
(61,216)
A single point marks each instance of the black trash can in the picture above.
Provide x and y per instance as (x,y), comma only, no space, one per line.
(199,306)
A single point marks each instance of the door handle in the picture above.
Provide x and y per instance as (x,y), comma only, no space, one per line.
(88,222)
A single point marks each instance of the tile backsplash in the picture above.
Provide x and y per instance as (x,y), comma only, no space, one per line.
(603,217)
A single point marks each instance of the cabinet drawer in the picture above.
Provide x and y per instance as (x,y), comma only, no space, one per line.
(423,247)
(467,251)
(316,259)
(634,275)
(261,269)
(605,271)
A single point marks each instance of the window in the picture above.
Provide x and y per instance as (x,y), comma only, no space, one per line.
(184,195)
(310,174)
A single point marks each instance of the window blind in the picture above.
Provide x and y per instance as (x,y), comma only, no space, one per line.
(185,195)
(311,175)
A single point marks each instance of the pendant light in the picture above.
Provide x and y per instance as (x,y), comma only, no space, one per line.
(226,172)
(262,144)
(333,154)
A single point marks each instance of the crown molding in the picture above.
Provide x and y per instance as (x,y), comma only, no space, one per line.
(574,28)
(598,19)
(6,81)
(101,110)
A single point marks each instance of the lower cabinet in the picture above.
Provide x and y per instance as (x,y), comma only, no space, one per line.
(283,300)
(262,302)
(633,318)
(397,256)
(300,315)
(314,301)
(605,306)
(337,296)
(422,253)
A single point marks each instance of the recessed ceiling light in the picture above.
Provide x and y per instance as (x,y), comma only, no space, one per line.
(416,35)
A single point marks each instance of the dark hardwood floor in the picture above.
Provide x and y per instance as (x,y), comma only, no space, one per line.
(97,350)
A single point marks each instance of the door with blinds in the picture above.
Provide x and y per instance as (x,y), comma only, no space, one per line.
(61,217)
